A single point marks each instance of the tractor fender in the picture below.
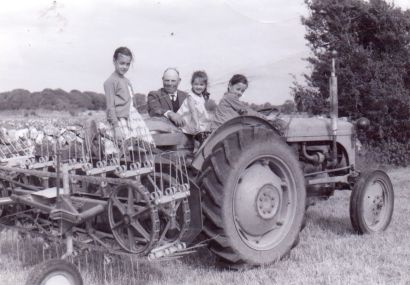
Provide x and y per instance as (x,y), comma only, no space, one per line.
(226,129)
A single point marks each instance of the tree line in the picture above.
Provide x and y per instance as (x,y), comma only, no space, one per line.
(51,99)
(60,100)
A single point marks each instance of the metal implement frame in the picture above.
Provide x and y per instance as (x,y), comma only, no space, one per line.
(62,206)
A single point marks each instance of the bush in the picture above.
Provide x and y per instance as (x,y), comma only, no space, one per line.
(390,152)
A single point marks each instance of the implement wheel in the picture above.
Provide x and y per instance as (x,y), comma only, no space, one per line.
(132,218)
(174,216)
(55,272)
(372,203)
(255,197)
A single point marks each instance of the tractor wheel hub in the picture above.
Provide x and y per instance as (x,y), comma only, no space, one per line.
(126,219)
(267,201)
(258,200)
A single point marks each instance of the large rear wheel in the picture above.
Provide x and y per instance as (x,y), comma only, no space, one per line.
(255,197)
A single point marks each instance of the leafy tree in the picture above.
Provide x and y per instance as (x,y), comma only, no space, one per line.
(372,39)
(288,107)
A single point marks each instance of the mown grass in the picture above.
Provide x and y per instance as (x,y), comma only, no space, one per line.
(329,253)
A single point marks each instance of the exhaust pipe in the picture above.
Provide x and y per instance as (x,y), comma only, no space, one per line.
(334,106)
(317,157)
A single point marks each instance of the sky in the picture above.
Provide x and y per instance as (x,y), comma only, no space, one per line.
(69,44)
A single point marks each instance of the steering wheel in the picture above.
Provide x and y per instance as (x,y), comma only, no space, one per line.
(269,111)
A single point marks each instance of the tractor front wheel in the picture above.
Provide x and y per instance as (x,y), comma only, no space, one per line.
(255,197)
(372,203)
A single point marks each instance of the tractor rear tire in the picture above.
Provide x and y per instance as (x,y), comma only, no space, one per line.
(372,203)
(255,197)
(55,271)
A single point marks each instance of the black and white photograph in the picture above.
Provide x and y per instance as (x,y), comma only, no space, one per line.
(204,142)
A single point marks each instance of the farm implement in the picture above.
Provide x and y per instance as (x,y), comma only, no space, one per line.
(246,188)
(92,190)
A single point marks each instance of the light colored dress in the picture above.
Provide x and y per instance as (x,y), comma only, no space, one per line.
(133,128)
(196,117)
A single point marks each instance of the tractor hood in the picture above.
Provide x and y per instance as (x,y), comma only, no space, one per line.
(296,128)
(302,126)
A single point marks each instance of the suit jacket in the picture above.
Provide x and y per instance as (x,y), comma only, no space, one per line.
(159,102)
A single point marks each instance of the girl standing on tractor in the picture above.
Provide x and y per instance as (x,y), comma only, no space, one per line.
(123,117)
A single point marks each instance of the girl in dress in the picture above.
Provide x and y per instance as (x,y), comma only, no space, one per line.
(193,111)
(122,116)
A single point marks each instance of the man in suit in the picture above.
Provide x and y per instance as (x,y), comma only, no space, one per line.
(167,100)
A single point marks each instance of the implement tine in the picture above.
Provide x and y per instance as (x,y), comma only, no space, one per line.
(186,170)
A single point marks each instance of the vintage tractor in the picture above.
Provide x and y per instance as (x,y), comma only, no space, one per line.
(256,175)
(246,188)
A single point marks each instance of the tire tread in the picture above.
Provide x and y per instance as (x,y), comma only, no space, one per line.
(217,167)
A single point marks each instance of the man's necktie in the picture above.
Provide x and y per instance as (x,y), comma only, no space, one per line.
(173,98)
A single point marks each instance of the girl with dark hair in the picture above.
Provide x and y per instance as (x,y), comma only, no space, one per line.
(123,117)
(230,106)
(193,111)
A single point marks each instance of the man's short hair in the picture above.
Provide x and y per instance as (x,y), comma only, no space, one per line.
(171,68)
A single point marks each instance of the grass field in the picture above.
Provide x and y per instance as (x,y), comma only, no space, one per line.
(329,253)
